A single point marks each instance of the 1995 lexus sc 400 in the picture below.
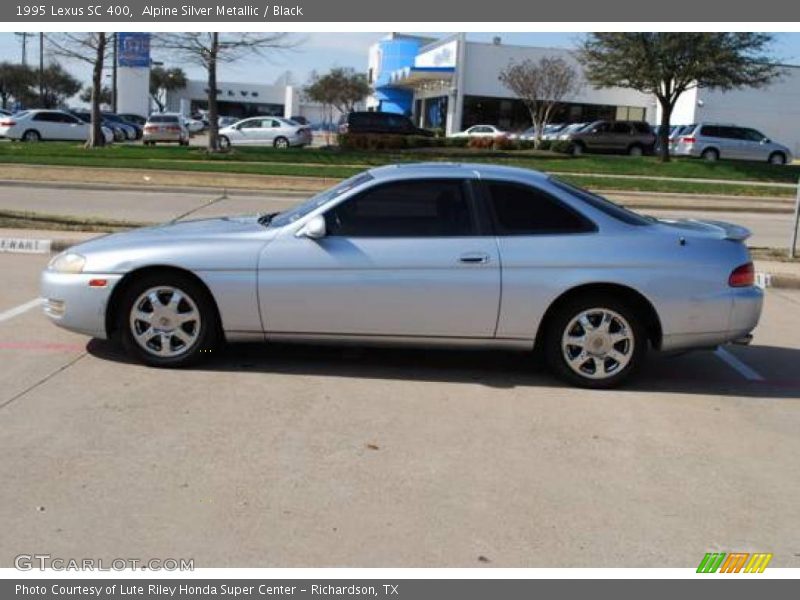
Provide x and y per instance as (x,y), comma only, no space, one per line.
(426,254)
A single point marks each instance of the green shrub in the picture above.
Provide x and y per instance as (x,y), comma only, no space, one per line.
(562,146)
(387,141)
(456,142)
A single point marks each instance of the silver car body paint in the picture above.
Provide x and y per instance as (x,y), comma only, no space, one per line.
(270,282)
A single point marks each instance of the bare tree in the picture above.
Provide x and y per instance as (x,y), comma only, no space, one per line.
(541,85)
(209,49)
(90,48)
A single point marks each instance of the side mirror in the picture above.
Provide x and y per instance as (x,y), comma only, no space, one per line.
(765,141)
(315,229)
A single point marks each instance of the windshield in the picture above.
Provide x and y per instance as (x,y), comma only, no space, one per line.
(301,210)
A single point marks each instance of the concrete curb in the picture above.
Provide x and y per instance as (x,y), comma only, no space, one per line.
(764,279)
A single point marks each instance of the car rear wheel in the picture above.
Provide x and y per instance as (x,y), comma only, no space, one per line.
(710,155)
(595,342)
(167,320)
(31,136)
(635,150)
(777,158)
(281,142)
(224,142)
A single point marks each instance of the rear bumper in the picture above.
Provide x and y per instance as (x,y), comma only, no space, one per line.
(71,303)
(745,306)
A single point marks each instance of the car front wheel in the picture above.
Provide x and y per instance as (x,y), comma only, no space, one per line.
(777,158)
(167,320)
(281,142)
(595,342)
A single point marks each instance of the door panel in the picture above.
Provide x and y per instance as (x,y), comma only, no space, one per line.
(373,286)
(400,258)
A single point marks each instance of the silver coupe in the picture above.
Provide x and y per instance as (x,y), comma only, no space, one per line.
(426,254)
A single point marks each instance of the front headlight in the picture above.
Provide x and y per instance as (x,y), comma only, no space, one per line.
(67,262)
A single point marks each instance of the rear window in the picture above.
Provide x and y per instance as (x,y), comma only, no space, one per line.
(602,204)
(524,210)
(163,119)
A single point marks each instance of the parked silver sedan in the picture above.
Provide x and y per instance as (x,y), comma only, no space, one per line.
(265,131)
(426,254)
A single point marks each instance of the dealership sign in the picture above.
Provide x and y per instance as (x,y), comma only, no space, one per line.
(133,49)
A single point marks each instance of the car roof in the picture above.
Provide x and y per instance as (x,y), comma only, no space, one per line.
(431,169)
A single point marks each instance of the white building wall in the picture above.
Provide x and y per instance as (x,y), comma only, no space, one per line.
(231,92)
(684,111)
(483,63)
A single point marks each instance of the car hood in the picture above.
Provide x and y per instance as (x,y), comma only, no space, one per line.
(180,232)
(707,228)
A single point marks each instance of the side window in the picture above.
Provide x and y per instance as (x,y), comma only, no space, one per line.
(621,128)
(710,131)
(730,133)
(751,135)
(524,210)
(48,117)
(427,208)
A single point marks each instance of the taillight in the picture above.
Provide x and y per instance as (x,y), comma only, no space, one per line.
(7,123)
(743,276)
(150,128)
(688,140)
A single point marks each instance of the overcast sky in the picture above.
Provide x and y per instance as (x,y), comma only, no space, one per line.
(321,51)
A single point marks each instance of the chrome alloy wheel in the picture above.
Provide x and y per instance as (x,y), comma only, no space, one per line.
(598,343)
(165,321)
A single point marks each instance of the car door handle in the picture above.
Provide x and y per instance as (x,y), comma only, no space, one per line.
(474,258)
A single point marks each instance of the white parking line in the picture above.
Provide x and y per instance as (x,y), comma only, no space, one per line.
(737,365)
(18,310)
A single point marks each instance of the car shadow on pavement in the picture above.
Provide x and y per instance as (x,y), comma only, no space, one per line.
(699,372)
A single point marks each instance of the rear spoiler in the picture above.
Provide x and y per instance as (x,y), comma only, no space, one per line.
(728,231)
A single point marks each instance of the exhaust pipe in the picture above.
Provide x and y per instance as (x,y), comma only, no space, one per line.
(744,340)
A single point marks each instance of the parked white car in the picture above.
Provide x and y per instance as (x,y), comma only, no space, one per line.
(265,131)
(194,125)
(40,125)
(481,131)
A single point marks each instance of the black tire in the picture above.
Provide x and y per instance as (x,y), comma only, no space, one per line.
(184,142)
(31,135)
(635,150)
(205,336)
(224,142)
(556,352)
(281,142)
(777,158)
(710,154)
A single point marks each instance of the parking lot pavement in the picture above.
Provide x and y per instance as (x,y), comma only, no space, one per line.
(309,456)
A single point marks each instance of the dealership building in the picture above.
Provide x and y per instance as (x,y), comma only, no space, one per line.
(452,84)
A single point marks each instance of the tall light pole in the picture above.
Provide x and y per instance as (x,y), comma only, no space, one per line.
(41,69)
(24,36)
(114,72)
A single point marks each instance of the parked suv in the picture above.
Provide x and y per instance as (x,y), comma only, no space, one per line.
(620,137)
(380,122)
(712,141)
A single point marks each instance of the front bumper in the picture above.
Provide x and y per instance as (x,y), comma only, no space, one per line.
(72,303)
